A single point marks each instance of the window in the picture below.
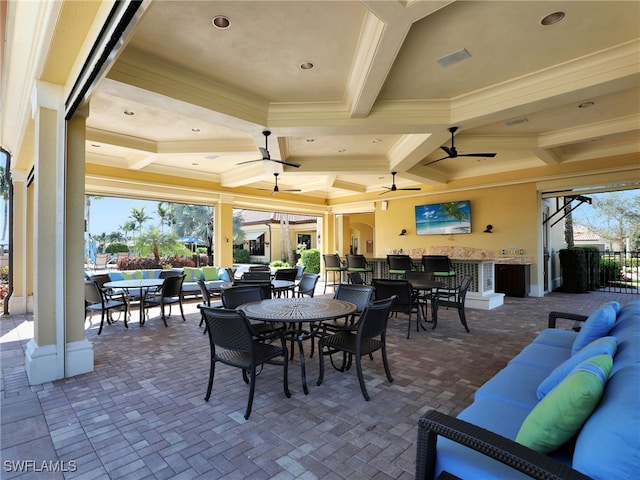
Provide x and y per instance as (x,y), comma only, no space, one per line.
(304,239)
(256,247)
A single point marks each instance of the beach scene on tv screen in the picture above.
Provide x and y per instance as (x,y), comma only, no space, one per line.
(443,218)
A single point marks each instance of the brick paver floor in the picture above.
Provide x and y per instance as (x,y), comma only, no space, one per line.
(141,414)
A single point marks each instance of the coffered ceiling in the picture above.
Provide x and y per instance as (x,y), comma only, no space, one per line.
(188,99)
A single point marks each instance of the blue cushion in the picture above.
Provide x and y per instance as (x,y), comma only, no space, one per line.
(223,275)
(597,325)
(600,346)
(116,276)
(608,446)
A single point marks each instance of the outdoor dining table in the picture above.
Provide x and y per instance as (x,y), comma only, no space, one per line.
(294,312)
(423,286)
(143,285)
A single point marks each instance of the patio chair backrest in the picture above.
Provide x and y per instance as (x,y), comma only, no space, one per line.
(307,285)
(233,297)
(206,296)
(386,288)
(360,295)
(356,261)
(399,262)
(92,293)
(332,260)
(172,286)
(228,329)
(374,318)
(258,275)
(288,274)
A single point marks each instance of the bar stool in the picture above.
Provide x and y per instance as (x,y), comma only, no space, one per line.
(358,263)
(399,264)
(332,263)
(439,266)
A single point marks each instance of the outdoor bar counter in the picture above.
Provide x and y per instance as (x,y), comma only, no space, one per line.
(478,263)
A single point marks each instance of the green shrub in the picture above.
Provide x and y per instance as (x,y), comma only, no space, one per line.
(280,264)
(240,255)
(609,270)
(4,274)
(311,260)
(116,247)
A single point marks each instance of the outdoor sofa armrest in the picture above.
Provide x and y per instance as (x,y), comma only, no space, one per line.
(502,449)
(553,316)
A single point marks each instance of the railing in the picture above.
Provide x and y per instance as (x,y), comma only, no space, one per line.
(618,272)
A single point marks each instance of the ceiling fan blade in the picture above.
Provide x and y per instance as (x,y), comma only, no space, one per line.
(435,161)
(290,164)
(489,155)
(415,189)
(251,161)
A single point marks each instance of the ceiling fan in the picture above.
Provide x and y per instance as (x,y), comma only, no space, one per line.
(276,188)
(393,187)
(453,153)
(266,156)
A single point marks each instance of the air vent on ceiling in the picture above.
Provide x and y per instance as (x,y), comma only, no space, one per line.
(453,58)
(517,121)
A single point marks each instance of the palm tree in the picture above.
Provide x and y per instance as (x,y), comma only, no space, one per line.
(102,241)
(87,204)
(139,217)
(237,232)
(454,210)
(166,214)
(155,241)
(126,227)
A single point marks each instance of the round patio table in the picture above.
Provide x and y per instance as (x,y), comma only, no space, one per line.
(143,285)
(294,312)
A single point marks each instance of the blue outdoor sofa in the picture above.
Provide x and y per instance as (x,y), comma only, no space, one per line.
(567,406)
(213,277)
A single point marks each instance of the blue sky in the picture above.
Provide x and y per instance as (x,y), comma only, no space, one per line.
(108,214)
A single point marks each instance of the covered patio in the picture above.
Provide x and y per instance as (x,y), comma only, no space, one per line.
(141,413)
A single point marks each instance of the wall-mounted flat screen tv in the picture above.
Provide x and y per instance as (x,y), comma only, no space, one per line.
(443,218)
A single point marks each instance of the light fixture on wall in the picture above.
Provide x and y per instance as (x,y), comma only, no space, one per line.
(489,229)
(403,232)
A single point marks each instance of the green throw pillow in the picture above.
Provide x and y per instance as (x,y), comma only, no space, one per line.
(192,274)
(563,411)
(132,275)
(210,273)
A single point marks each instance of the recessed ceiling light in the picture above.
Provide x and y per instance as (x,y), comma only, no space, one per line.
(552,18)
(128,112)
(95,145)
(376,140)
(342,150)
(221,22)
(195,130)
(306,66)
(586,104)
(311,140)
(195,163)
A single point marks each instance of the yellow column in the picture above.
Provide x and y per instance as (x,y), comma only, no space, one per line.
(79,351)
(44,356)
(223,232)
(21,300)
